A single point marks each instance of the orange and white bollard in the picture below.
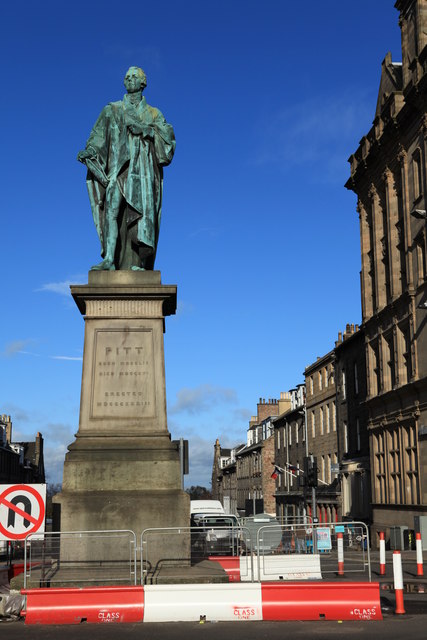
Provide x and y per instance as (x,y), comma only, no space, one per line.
(398,582)
(340,548)
(382,553)
(419,547)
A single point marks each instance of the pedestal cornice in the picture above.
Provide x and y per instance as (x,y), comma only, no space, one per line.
(125,293)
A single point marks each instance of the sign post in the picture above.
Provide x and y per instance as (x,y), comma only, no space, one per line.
(22,510)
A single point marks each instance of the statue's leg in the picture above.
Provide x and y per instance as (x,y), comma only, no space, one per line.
(113,199)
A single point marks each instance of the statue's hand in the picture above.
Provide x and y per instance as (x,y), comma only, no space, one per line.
(84,154)
(141,130)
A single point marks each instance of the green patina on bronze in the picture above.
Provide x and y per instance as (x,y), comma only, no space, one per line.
(127,149)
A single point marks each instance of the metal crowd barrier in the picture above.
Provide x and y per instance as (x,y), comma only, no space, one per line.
(192,547)
(74,557)
(208,553)
(320,539)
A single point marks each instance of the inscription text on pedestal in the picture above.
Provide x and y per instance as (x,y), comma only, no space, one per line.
(123,374)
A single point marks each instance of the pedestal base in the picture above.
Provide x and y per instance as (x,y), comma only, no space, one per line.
(123,471)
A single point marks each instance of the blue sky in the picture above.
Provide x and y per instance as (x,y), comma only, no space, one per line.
(267,100)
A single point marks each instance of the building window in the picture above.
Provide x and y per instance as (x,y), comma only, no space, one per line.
(278,439)
(421,259)
(329,479)
(417,174)
(374,369)
(379,470)
(311,385)
(290,434)
(331,375)
(412,495)
(328,419)
(313,425)
(321,422)
(320,380)
(296,432)
(357,434)
(323,469)
(343,382)
(404,355)
(356,380)
(394,466)
(326,377)
(389,365)
(345,443)
(334,416)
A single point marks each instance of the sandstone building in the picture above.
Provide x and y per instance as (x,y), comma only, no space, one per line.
(388,174)
(20,462)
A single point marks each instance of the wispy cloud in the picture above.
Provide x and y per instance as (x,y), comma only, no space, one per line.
(202,398)
(14,347)
(16,412)
(317,133)
(63,287)
(79,358)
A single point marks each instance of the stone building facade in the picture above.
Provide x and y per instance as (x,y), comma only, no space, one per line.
(388,174)
(20,462)
(322,437)
(243,482)
(353,439)
(290,450)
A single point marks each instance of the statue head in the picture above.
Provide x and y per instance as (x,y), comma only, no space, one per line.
(135,80)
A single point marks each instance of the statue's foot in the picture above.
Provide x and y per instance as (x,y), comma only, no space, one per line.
(105,265)
(135,268)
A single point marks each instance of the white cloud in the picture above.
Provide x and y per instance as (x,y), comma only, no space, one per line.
(321,132)
(17,346)
(62,288)
(202,398)
(79,358)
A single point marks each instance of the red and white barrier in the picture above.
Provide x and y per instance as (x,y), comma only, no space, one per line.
(398,582)
(195,602)
(382,553)
(340,548)
(92,604)
(419,547)
(280,567)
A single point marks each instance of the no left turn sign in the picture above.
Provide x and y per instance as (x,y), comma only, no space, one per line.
(22,510)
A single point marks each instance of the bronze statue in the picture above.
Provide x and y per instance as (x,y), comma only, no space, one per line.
(125,154)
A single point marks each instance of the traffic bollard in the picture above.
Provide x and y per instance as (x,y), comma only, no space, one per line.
(340,547)
(382,553)
(398,582)
(419,546)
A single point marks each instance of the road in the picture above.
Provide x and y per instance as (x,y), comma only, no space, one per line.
(407,626)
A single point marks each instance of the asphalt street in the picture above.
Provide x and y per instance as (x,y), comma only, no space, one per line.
(406,626)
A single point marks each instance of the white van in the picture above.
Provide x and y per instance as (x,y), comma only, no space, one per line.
(206,507)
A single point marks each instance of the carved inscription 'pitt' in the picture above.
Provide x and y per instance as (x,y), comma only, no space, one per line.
(123,374)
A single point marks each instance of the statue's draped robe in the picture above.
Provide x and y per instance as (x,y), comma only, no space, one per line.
(132,162)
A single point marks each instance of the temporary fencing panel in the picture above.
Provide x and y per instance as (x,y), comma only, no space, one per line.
(54,559)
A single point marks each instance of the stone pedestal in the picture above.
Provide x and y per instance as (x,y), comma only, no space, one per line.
(123,471)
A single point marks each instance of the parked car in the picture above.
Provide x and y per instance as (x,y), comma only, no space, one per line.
(214,535)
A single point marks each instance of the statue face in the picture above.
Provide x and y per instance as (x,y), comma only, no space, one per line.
(133,80)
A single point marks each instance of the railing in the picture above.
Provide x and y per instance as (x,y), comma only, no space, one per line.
(191,547)
(187,554)
(322,539)
(80,557)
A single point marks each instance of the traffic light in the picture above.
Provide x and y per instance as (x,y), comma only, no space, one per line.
(310,471)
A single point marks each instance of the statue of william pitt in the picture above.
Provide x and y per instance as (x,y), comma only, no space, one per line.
(125,154)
